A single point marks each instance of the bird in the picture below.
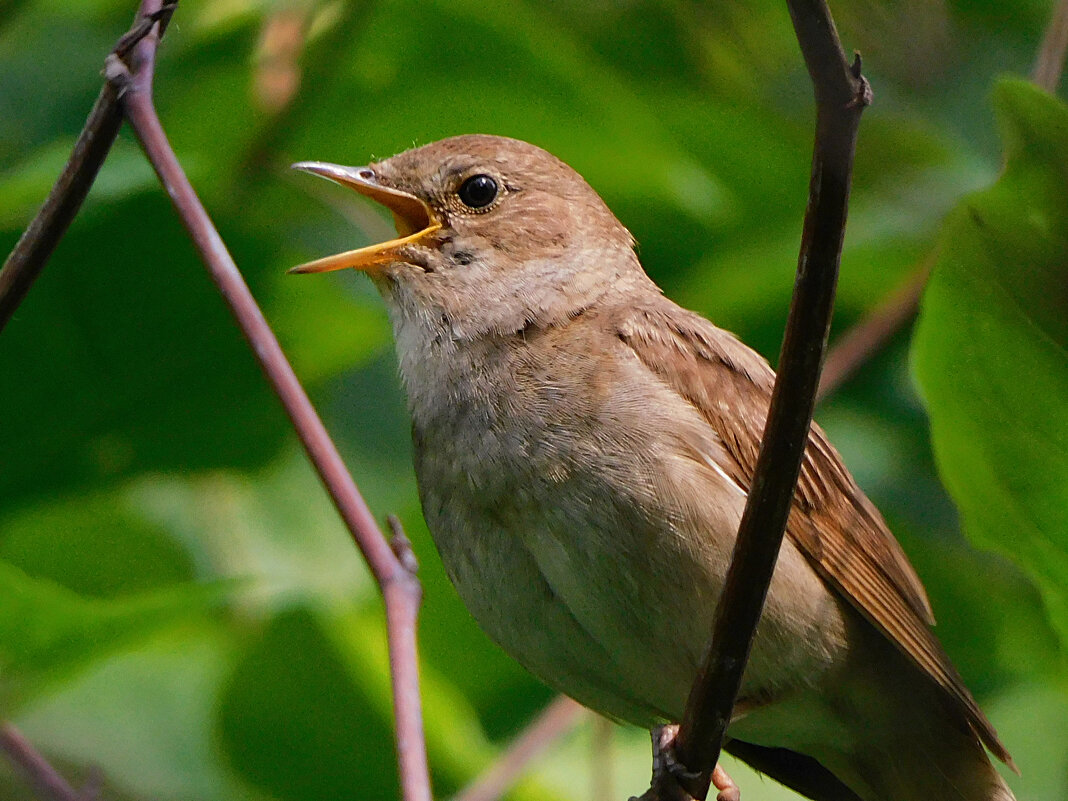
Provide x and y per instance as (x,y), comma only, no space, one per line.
(583,449)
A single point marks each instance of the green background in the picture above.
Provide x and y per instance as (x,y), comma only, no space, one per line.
(180,608)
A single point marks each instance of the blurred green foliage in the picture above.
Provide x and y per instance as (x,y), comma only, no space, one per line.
(179,605)
(992,350)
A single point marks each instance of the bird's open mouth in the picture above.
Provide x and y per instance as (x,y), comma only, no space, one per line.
(413,218)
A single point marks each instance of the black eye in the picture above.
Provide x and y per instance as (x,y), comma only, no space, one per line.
(478,191)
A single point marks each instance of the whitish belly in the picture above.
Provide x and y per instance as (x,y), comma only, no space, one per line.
(573,566)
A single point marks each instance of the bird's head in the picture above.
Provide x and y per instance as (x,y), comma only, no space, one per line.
(494,234)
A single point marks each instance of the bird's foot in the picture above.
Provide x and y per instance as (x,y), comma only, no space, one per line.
(673,782)
(728,790)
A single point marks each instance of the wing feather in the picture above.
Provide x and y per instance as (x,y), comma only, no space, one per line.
(832,521)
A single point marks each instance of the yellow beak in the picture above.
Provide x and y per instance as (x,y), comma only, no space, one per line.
(413,218)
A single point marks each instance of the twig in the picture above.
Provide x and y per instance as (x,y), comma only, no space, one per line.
(558,718)
(400,589)
(841,95)
(46,780)
(1050,60)
(37,242)
(857,345)
(25,264)
(129,70)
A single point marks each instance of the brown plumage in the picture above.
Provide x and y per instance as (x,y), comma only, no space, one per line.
(584,447)
(832,520)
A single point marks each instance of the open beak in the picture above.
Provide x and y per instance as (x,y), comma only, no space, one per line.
(413,218)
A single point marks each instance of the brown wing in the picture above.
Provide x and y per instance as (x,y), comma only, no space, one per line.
(832,520)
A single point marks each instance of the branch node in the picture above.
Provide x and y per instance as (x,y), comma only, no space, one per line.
(402,546)
(672,781)
(117,73)
(143,27)
(864,95)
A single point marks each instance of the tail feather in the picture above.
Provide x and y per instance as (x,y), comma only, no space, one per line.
(911,742)
(877,730)
(956,769)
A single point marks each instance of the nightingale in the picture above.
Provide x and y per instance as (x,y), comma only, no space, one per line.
(583,448)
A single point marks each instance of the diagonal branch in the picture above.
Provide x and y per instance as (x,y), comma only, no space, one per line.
(558,718)
(44,778)
(841,95)
(878,326)
(37,242)
(1049,63)
(390,565)
(129,70)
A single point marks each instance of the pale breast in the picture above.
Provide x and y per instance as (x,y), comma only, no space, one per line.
(580,512)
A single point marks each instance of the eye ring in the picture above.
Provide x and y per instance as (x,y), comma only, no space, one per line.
(478,191)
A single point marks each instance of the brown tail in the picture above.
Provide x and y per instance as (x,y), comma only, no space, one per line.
(910,741)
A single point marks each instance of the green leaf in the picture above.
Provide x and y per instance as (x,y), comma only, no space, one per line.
(294,724)
(307,713)
(97,545)
(144,719)
(46,629)
(991,350)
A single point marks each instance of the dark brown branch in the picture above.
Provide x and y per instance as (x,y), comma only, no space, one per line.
(37,242)
(873,331)
(45,779)
(400,589)
(841,95)
(1049,64)
(558,718)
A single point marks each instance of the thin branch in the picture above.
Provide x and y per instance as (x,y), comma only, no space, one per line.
(402,597)
(857,345)
(45,779)
(841,95)
(400,589)
(137,101)
(39,240)
(1049,64)
(129,70)
(558,718)
(25,264)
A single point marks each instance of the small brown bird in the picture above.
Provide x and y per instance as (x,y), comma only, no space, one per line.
(584,447)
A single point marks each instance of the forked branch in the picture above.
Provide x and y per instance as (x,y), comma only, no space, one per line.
(129,70)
